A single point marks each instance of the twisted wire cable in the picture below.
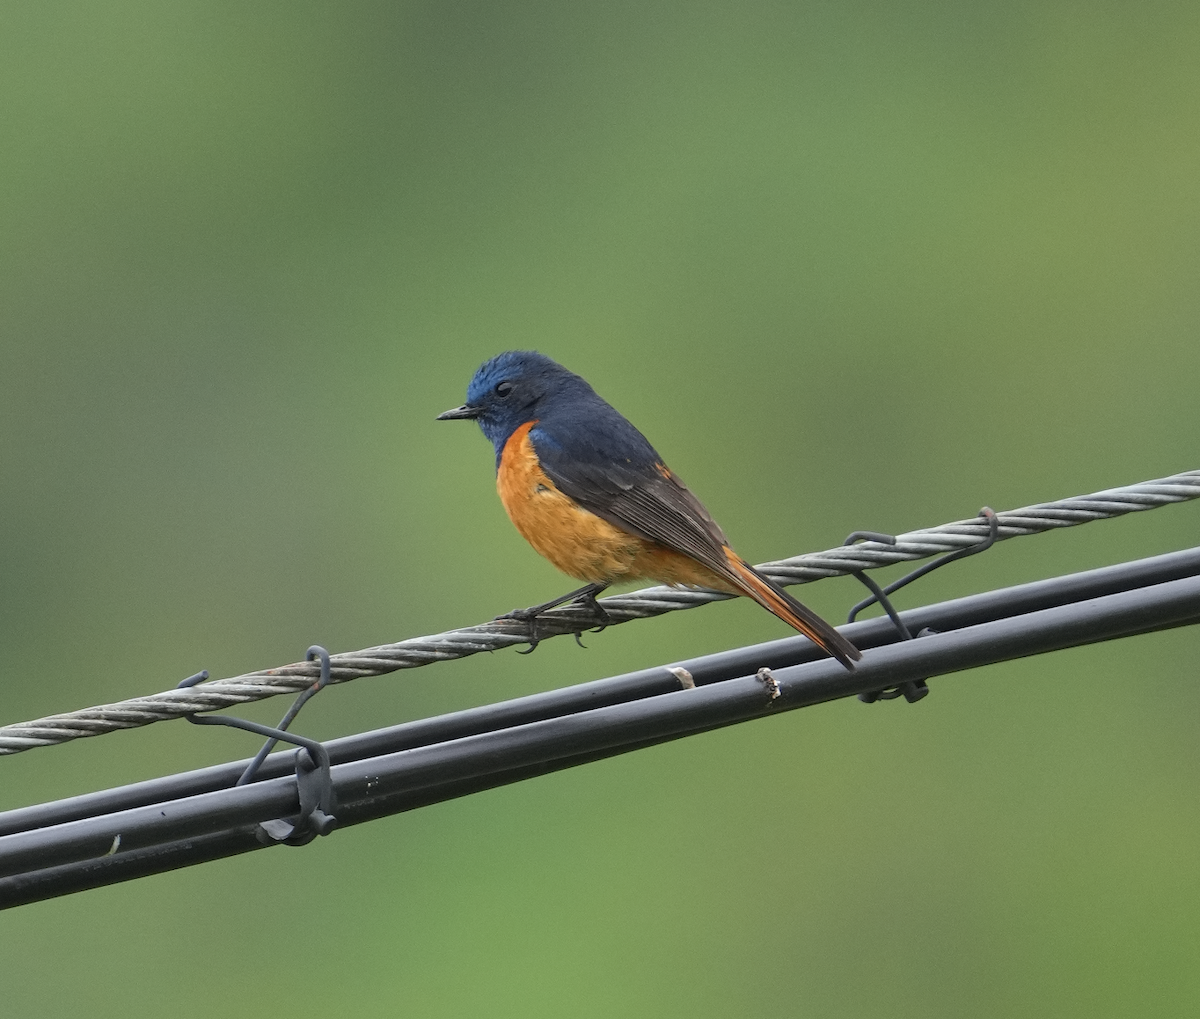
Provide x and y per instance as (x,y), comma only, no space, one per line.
(571,619)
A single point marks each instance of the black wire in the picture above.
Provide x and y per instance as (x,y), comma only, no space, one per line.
(707,669)
(44,862)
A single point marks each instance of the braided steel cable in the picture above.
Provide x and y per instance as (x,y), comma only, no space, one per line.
(571,619)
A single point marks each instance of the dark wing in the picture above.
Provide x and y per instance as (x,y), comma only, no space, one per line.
(611,470)
(619,477)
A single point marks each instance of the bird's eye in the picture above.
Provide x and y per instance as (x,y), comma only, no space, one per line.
(503,389)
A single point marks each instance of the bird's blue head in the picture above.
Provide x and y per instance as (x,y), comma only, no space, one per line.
(513,388)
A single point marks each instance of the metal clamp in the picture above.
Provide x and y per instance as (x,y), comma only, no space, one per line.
(314,781)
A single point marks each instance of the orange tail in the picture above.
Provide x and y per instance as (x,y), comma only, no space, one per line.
(776,600)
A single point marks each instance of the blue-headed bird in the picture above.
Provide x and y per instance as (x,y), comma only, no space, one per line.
(587,490)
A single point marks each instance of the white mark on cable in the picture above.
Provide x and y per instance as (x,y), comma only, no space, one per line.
(684,677)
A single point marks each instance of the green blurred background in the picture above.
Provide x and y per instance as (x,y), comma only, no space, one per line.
(849,265)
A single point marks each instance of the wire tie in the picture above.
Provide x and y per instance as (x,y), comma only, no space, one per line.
(314,781)
(914,689)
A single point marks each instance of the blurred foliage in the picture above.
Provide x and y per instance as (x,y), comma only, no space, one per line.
(847,264)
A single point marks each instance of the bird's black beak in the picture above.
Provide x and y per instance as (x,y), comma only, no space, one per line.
(466,411)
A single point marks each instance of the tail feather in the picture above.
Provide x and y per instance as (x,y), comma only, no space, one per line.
(776,600)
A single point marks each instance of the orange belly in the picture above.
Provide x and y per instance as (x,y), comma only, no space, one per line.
(578,542)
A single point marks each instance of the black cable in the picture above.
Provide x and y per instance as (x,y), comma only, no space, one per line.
(707,669)
(65,857)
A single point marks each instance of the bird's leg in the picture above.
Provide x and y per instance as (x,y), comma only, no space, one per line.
(586,595)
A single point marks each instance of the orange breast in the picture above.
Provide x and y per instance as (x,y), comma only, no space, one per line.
(575,540)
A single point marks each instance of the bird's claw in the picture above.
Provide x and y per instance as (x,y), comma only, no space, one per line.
(530,615)
(605,620)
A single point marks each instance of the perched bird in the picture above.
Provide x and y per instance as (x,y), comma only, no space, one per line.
(588,491)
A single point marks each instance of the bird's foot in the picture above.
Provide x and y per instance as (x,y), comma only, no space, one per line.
(603,619)
(585,596)
(529,617)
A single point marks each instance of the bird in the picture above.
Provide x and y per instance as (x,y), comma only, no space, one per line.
(587,490)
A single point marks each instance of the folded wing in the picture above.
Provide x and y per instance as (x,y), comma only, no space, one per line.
(619,477)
